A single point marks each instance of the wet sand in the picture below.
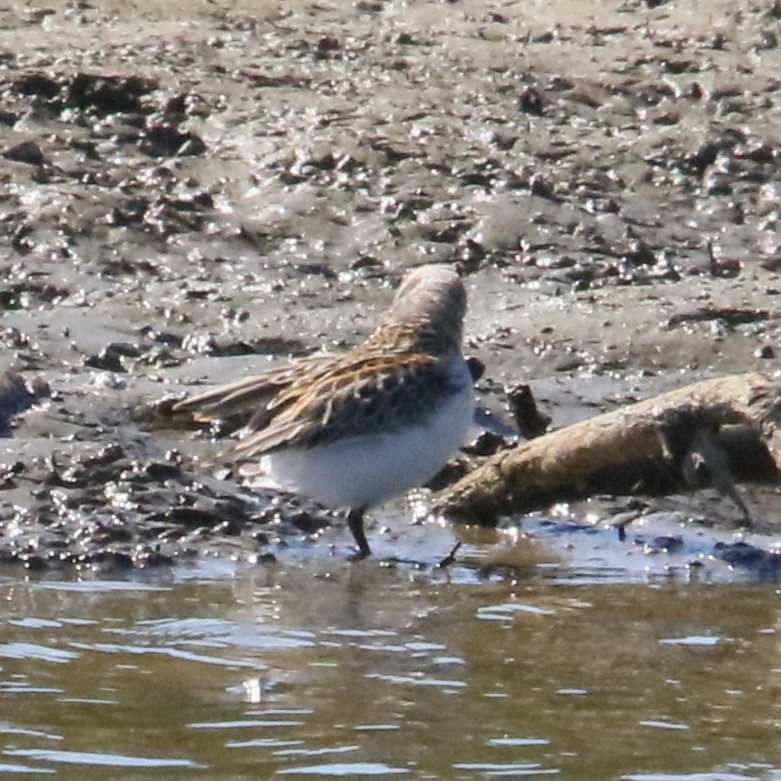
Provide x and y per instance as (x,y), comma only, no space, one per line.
(190,193)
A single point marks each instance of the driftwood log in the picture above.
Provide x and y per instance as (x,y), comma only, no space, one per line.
(715,432)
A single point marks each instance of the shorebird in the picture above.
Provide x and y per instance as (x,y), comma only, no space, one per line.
(358,428)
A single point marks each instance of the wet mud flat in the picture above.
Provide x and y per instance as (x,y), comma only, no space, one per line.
(189,194)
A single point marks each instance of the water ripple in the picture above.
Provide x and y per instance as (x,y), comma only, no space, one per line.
(175,653)
(417,681)
(495,770)
(35,651)
(96,759)
(6,768)
(357,769)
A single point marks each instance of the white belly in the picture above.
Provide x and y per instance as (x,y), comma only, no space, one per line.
(367,470)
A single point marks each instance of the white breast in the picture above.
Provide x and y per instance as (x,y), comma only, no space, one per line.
(367,469)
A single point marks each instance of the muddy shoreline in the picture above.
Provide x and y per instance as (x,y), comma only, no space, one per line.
(192,193)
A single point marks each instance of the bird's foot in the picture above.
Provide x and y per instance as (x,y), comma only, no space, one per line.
(356,554)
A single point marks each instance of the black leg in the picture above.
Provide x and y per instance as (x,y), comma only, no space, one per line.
(355,522)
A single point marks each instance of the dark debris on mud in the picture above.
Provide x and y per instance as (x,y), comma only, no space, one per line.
(107,511)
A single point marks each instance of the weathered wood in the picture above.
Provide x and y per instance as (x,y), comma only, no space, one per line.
(647,447)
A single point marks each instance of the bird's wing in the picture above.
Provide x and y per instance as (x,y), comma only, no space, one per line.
(249,396)
(367,393)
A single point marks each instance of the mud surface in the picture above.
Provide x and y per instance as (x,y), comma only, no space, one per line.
(189,191)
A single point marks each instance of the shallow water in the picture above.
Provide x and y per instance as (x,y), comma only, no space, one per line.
(363,670)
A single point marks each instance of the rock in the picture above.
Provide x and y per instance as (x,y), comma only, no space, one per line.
(27,152)
(107,94)
(167,140)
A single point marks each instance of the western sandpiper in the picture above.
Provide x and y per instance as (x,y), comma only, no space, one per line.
(358,428)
